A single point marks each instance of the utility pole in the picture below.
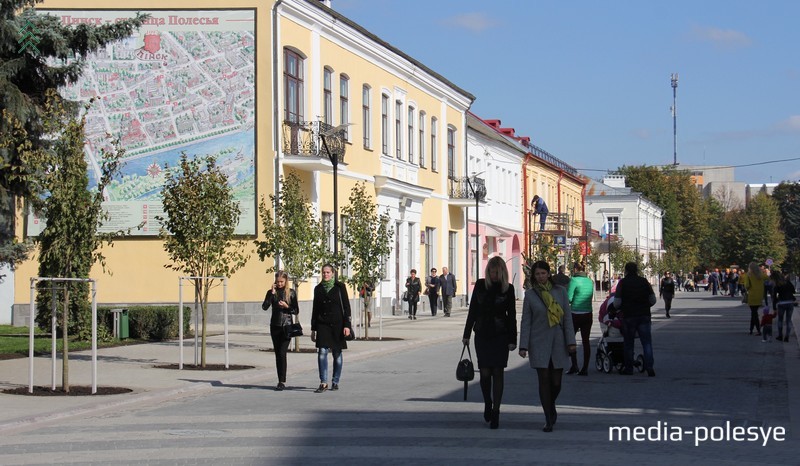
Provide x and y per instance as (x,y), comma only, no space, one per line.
(674,81)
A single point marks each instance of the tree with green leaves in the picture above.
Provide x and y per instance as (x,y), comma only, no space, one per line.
(54,58)
(70,243)
(787,196)
(292,234)
(198,227)
(367,239)
(755,234)
(543,250)
(622,254)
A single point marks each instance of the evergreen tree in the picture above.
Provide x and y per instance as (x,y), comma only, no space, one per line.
(53,58)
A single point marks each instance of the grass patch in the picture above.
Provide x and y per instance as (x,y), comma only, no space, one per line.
(15,340)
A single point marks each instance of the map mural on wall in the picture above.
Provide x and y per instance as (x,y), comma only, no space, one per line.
(185,82)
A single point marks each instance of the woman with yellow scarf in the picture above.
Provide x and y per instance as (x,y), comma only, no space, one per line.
(547,337)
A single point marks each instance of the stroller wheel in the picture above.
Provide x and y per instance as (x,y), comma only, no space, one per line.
(639,363)
(598,361)
(606,364)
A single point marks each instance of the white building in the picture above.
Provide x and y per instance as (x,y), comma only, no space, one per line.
(629,215)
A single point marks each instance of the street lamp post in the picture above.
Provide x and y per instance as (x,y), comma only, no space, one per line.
(478,192)
(336,136)
(674,82)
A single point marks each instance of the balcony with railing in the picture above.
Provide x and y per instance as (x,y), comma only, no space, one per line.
(463,190)
(304,145)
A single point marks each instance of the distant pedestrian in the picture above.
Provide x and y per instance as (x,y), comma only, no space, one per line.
(492,316)
(561,278)
(579,293)
(330,326)
(666,291)
(447,288)
(784,300)
(413,290)
(283,302)
(432,290)
(635,297)
(540,208)
(366,296)
(713,282)
(754,286)
(547,336)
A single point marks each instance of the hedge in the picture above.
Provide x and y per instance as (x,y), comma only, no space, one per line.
(155,323)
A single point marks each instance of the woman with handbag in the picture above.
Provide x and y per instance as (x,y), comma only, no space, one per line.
(330,326)
(413,289)
(546,330)
(493,317)
(283,302)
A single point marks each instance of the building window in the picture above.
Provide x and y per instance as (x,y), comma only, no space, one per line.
(411,243)
(327,99)
(327,228)
(613,225)
(365,115)
(293,86)
(451,153)
(344,104)
(433,144)
(430,249)
(398,129)
(422,139)
(385,124)
(452,243)
(411,135)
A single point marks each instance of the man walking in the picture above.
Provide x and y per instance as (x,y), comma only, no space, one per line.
(561,278)
(447,287)
(635,297)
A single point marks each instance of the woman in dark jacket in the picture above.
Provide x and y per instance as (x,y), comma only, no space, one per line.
(330,326)
(283,302)
(492,316)
(413,289)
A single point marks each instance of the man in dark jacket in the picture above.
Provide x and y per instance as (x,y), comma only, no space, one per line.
(635,297)
(540,209)
(447,288)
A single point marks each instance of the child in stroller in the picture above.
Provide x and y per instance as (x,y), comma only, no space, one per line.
(610,348)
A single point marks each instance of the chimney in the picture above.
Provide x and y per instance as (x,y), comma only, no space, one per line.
(493,123)
(615,181)
(507,131)
(525,140)
(327,3)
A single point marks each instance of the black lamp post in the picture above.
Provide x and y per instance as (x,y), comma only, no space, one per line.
(334,137)
(479,193)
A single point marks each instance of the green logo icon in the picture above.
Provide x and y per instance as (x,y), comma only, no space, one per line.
(28,37)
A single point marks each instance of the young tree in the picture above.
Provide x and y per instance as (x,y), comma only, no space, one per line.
(70,243)
(26,73)
(787,195)
(201,215)
(755,233)
(367,239)
(292,233)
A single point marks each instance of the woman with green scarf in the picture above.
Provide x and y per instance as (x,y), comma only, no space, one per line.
(330,326)
(547,337)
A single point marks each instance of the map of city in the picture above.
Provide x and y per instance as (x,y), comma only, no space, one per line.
(184,83)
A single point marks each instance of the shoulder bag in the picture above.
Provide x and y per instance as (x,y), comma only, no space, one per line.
(294,329)
(352,335)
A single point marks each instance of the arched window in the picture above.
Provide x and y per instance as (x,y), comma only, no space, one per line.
(293,86)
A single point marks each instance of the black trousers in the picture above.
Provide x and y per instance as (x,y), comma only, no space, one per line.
(280,344)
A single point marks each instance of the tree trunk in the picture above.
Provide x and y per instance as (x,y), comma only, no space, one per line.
(203,288)
(65,339)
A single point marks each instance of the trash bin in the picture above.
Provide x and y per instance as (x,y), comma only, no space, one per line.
(124,325)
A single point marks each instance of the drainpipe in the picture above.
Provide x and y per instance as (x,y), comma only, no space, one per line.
(583,214)
(526,213)
(276,115)
(466,209)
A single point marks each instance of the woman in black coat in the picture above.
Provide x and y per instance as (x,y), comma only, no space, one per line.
(493,318)
(413,289)
(283,302)
(330,326)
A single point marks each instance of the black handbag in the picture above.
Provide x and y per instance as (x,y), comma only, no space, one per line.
(465,370)
(293,330)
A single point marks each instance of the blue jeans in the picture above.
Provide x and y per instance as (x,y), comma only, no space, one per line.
(630,327)
(542,219)
(785,312)
(322,362)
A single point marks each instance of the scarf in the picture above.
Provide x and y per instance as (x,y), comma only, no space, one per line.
(327,285)
(554,311)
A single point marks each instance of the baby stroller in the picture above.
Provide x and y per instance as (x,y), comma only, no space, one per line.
(610,349)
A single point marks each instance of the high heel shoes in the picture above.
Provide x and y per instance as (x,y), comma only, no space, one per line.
(495,423)
(487,412)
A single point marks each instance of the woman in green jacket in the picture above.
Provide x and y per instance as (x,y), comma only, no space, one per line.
(580,291)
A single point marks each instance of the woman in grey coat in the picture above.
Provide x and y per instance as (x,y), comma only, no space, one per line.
(547,337)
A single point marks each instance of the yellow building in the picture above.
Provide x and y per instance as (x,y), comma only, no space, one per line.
(250,81)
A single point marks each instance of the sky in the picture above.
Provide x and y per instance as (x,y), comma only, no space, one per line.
(589,81)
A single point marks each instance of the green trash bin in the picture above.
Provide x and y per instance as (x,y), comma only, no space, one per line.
(124,325)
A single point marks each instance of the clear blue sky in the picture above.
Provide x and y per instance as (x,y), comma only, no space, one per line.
(589,81)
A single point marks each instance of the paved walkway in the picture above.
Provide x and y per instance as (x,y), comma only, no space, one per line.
(400,403)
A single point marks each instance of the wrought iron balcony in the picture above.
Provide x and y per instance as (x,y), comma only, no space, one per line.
(304,139)
(467,188)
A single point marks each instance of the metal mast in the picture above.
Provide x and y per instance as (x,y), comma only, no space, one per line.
(674,80)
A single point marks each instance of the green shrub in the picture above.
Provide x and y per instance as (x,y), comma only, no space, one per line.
(154,323)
